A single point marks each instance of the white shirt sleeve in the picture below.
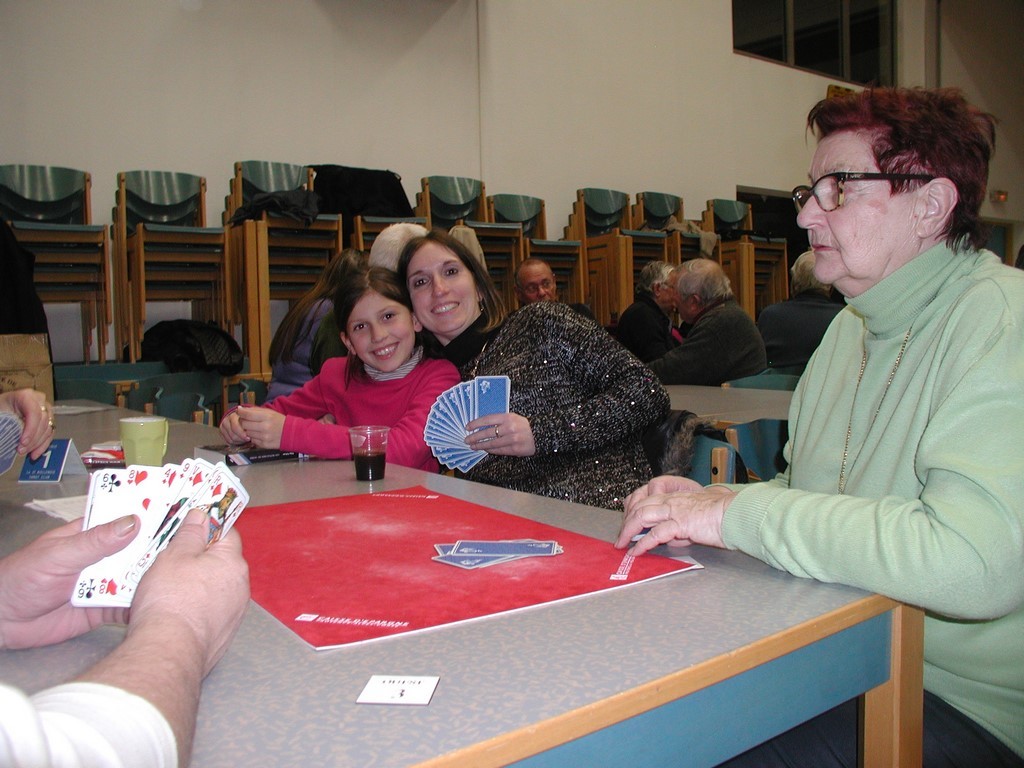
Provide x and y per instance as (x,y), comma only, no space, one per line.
(83,724)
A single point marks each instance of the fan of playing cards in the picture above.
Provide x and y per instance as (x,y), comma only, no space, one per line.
(445,431)
(10,434)
(160,497)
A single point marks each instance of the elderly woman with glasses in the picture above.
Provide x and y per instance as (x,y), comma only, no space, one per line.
(905,458)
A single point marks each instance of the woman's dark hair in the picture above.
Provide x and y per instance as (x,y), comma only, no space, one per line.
(917,130)
(357,284)
(298,324)
(492,305)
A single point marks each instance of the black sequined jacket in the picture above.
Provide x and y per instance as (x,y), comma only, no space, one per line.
(588,401)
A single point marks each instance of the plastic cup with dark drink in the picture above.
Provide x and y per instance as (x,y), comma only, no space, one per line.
(369,449)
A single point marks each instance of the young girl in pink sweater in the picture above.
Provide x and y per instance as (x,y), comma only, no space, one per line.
(385,379)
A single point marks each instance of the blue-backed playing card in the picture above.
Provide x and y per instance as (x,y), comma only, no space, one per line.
(10,433)
(445,429)
(491,395)
(521,548)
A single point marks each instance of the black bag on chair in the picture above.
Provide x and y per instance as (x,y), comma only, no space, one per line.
(189,345)
(669,444)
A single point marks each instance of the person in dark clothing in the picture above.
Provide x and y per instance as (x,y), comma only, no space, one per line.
(645,328)
(723,342)
(21,310)
(792,329)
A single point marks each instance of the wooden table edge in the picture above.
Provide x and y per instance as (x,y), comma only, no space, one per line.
(886,707)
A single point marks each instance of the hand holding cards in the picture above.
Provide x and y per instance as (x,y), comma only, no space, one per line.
(160,497)
(445,431)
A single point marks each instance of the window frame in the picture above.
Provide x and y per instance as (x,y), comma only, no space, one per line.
(886,55)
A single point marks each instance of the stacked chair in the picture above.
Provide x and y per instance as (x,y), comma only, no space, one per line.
(654,211)
(565,257)
(186,396)
(757,265)
(163,251)
(297,253)
(597,219)
(50,211)
(504,249)
(445,201)
(272,256)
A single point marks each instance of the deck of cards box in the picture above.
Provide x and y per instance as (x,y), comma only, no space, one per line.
(445,430)
(160,497)
(243,454)
(104,455)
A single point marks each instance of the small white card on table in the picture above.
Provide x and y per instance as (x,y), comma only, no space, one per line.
(398,689)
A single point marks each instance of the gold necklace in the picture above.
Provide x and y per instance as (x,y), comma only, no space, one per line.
(849,426)
(476,360)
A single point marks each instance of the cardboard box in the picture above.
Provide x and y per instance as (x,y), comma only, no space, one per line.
(25,363)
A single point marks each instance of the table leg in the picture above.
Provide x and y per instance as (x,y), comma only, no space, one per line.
(892,715)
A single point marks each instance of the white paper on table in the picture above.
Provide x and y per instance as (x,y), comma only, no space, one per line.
(71,410)
(398,689)
(66,508)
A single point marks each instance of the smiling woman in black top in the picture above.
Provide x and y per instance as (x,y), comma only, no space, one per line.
(579,402)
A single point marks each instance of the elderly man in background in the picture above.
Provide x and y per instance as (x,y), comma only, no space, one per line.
(536,282)
(645,328)
(792,329)
(722,343)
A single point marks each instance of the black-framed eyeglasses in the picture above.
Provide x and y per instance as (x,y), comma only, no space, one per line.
(828,189)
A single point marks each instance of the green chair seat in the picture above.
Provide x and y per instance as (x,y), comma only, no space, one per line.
(653,234)
(45,226)
(452,198)
(268,176)
(206,383)
(556,242)
(44,193)
(778,381)
(86,389)
(524,210)
(603,209)
(659,207)
(760,443)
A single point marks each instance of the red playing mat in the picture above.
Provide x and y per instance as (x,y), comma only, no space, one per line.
(358,568)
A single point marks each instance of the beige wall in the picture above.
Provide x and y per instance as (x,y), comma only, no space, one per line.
(113,85)
(634,96)
(982,47)
(533,96)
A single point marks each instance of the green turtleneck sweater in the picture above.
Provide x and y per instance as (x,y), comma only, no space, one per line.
(933,510)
